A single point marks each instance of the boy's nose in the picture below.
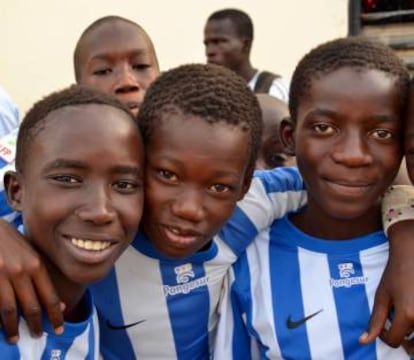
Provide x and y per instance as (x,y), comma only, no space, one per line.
(97,207)
(352,151)
(188,205)
(210,51)
(126,80)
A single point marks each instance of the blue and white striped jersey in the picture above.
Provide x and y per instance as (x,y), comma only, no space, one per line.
(293,296)
(153,307)
(80,341)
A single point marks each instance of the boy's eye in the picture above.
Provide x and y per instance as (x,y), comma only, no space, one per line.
(65,179)
(382,134)
(167,175)
(126,186)
(324,129)
(220,188)
(102,72)
(140,66)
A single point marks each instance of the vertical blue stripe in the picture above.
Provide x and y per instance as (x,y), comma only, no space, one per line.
(287,300)
(352,310)
(91,340)
(8,351)
(109,310)
(188,311)
(5,209)
(241,305)
(56,346)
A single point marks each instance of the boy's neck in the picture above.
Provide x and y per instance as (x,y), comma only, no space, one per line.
(70,293)
(314,222)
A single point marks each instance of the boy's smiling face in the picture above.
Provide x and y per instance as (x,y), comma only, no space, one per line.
(195,174)
(118,58)
(81,199)
(348,141)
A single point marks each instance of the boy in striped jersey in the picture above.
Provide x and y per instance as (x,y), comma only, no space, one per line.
(202,127)
(161,299)
(305,288)
(81,203)
(146,302)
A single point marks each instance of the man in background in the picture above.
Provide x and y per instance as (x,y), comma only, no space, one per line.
(228,38)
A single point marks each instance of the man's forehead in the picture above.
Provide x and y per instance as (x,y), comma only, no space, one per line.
(222,27)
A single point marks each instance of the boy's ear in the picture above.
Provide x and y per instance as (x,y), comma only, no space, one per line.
(247,44)
(287,135)
(14,189)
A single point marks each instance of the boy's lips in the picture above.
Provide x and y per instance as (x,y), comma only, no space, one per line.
(133,106)
(347,187)
(179,236)
(90,250)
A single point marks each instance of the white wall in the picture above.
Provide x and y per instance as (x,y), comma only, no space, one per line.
(37,37)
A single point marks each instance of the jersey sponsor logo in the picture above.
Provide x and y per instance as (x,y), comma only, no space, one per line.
(345,279)
(346,270)
(55,354)
(184,273)
(184,277)
(185,288)
(293,324)
(122,327)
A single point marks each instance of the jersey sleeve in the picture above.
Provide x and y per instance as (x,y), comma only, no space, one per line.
(232,340)
(272,194)
(397,205)
(7,156)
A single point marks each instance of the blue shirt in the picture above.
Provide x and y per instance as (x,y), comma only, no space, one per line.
(293,296)
(79,340)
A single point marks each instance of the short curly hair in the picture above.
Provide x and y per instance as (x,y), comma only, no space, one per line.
(35,119)
(211,92)
(357,53)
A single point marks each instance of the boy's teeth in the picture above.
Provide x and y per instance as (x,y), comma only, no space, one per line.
(90,245)
(175,231)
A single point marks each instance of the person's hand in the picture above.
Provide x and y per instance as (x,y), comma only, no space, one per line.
(23,282)
(396,290)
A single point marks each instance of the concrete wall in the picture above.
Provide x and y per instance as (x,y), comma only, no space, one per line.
(37,37)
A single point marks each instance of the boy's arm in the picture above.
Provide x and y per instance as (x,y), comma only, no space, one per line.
(24,282)
(24,285)
(397,285)
(272,194)
(232,339)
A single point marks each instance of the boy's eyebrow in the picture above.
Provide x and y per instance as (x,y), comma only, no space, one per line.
(132,52)
(61,163)
(337,115)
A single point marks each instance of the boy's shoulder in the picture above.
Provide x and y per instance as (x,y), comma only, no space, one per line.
(280,179)
(78,338)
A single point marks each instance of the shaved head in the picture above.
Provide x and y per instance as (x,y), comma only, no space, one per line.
(273,109)
(101,28)
(271,153)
